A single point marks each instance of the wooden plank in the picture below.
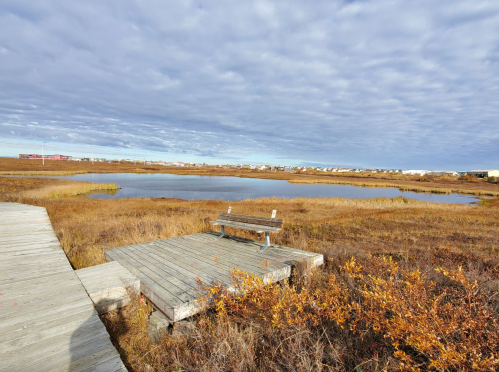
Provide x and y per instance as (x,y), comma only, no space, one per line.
(68,355)
(226,262)
(42,314)
(64,320)
(165,272)
(224,247)
(255,220)
(187,274)
(47,321)
(101,270)
(297,253)
(27,246)
(46,331)
(245,226)
(105,360)
(275,271)
(16,276)
(147,284)
(38,286)
(204,265)
(173,265)
(229,259)
(28,238)
(34,252)
(172,285)
(251,247)
(108,284)
(66,342)
(69,293)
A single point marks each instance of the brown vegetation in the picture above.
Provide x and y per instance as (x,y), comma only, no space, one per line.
(406,285)
(428,183)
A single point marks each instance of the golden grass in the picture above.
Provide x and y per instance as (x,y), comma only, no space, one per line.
(41,173)
(419,236)
(423,189)
(433,184)
(25,189)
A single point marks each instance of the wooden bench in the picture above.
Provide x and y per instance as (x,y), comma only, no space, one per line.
(253,223)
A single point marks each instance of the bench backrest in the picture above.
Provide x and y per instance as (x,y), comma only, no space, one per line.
(254,220)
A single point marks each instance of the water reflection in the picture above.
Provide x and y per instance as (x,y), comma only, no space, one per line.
(234,188)
(101,193)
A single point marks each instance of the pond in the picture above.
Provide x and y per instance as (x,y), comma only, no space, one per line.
(234,188)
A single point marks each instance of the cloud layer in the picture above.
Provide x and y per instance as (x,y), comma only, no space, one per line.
(368,83)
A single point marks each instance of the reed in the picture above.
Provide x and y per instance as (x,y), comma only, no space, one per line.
(25,189)
(399,273)
(463,185)
(423,189)
(60,191)
(41,173)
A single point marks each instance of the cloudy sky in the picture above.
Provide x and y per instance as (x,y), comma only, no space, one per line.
(408,84)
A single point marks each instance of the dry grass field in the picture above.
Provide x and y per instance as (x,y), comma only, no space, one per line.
(442,185)
(407,285)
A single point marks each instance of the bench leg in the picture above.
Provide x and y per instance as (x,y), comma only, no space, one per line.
(267,242)
(223,233)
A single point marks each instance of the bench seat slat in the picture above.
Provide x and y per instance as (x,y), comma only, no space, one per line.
(246,226)
(254,220)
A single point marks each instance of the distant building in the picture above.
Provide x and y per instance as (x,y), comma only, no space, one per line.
(484,173)
(47,157)
(413,172)
(444,173)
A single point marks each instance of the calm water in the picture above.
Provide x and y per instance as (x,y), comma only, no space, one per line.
(234,188)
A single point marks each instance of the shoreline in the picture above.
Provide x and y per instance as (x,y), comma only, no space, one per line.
(435,185)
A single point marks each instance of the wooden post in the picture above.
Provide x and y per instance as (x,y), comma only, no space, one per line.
(274,212)
(304,269)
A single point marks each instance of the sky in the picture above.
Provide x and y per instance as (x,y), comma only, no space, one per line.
(380,83)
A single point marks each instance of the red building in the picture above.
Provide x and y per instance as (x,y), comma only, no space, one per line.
(47,157)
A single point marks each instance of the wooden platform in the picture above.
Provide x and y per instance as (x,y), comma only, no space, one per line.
(47,320)
(107,285)
(168,269)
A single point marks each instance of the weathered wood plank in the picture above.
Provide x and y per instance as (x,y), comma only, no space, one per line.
(47,320)
(147,283)
(170,276)
(105,360)
(187,273)
(188,258)
(108,284)
(226,263)
(33,317)
(46,331)
(245,226)
(223,248)
(255,220)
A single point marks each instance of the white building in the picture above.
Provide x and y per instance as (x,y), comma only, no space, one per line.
(484,173)
(413,172)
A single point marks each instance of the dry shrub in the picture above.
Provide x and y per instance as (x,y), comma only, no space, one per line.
(369,314)
(403,182)
(128,330)
(451,325)
(469,178)
(350,317)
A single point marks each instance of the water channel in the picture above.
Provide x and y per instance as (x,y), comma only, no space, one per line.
(234,188)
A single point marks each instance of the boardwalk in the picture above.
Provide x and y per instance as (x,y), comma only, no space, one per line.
(168,269)
(47,320)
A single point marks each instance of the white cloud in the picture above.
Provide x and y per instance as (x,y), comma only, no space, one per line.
(391,83)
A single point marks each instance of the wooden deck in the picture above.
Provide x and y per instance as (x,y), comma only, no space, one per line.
(107,285)
(168,269)
(47,320)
